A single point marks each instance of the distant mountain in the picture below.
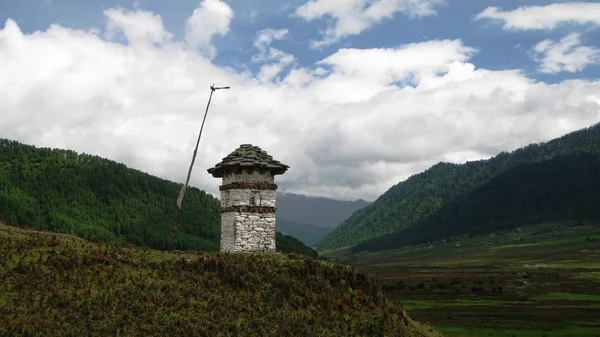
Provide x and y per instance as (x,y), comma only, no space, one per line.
(409,202)
(104,201)
(311,218)
(306,233)
(316,211)
(561,188)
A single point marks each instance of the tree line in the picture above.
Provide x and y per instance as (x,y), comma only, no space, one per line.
(410,201)
(102,200)
(559,189)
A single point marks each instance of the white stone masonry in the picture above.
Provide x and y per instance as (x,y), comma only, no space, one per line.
(251,232)
(247,197)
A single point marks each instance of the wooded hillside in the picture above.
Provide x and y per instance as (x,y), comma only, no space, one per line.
(410,201)
(104,201)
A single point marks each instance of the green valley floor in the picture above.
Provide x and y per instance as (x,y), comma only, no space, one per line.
(534,281)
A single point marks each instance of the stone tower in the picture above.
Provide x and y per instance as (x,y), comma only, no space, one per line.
(248,199)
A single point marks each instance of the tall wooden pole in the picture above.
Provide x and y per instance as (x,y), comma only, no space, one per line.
(187,180)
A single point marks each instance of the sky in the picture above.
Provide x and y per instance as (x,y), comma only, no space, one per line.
(354,95)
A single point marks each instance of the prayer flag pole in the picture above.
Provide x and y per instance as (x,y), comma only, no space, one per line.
(187,181)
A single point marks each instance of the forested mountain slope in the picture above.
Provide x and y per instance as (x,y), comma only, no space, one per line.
(562,188)
(421,195)
(104,201)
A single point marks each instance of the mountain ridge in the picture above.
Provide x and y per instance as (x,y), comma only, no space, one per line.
(407,202)
(316,211)
(310,218)
(563,188)
(306,233)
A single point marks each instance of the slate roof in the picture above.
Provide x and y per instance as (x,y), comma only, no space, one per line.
(247,156)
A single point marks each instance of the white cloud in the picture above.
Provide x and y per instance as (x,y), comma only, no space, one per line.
(566,55)
(351,17)
(361,74)
(211,18)
(266,36)
(544,17)
(137,26)
(343,125)
(275,60)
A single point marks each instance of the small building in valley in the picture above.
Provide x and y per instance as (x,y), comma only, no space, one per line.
(248,199)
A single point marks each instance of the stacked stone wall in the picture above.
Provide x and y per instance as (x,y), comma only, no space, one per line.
(248,212)
(252,232)
(247,197)
(227,231)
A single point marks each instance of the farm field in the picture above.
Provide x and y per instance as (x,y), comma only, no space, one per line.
(541,280)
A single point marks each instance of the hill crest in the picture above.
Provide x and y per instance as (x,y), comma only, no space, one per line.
(57,285)
(407,202)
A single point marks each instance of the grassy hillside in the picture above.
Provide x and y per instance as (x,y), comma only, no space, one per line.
(562,188)
(104,201)
(60,285)
(408,202)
